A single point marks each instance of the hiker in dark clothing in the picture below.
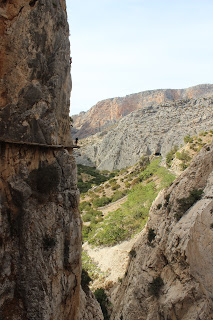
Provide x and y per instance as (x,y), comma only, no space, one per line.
(76,141)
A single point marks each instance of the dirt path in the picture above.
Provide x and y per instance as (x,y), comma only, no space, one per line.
(112,206)
(112,260)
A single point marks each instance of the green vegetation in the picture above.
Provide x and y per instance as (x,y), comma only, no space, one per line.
(96,177)
(103,301)
(187,139)
(90,267)
(118,195)
(170,155)
(132,216)
(85,279)
(155,286)
(101,202)
(184,156)
(186,203)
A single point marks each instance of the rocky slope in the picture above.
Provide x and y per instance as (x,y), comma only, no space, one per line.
(107,112)
(148,130)
(179,253)
(40,226)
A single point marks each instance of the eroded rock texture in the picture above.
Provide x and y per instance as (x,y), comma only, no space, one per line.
(107,112)
(89,306)
(40,236)
(146,131)
(179,252)
(34,71)
(40,227)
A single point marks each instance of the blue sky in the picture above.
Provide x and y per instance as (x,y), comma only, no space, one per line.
(121,47)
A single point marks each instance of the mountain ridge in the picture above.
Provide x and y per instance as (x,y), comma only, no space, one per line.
(109,111)
(152,129)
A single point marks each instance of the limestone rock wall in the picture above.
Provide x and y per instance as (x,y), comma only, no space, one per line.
(89,306)
(146,131)
(40,234)
(40,226)
(34,71)
(180,253)
(107,113)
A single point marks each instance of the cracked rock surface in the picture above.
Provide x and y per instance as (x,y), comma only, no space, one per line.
(40,226)
(180,253)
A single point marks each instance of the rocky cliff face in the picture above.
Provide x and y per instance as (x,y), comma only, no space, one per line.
(40,227)
(34,71)
(107,112)
(148,130)
(179,253)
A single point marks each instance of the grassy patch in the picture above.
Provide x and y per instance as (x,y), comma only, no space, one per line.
(130,219)
(96,177)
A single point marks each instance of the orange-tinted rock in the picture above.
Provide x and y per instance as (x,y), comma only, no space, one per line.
(107,112)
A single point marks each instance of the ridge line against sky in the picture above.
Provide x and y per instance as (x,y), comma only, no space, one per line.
(120,47)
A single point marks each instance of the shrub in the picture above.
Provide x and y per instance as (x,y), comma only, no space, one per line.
(170,155)
(143,162)
(127,184)
(115,186)
(184,156)
(103,301)
(135,181)
(118,195)
(85,232)
(187,139)
(101,202)
(85,279)
(155,286)
(186,203)
(151,235)
(183,166)
(87,217)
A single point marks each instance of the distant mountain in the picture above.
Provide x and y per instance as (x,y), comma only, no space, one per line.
(151,129)
(107,113)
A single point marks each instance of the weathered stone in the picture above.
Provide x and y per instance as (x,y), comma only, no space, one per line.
(40,225)
(107,113)
(147,131)
(89,307)
(41,236)
(180,253)
(34,72)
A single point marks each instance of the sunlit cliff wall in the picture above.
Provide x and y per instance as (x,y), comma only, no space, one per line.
(40,227)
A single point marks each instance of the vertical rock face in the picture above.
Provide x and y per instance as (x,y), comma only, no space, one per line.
(34,71)
(40,227)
